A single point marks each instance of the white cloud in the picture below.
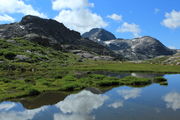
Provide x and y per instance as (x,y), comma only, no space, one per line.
(76,15)
(6,18)
(130,94)
(172,19)
(72,4)
(131,28)
(172,100)
(81,20)
(115,17)
(18,6)
(116,104)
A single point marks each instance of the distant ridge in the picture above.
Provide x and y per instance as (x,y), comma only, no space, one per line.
(134,49)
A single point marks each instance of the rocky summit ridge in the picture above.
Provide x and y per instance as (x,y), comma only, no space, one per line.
(132,49)
(99,34)
(48,32)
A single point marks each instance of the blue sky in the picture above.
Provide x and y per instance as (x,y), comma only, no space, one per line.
(124,18)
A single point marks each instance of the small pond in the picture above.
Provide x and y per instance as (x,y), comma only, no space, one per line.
(153,102)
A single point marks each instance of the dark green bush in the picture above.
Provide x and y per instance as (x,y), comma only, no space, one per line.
(9,55)
(33,92)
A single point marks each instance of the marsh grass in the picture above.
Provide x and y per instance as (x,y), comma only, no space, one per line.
(34,85)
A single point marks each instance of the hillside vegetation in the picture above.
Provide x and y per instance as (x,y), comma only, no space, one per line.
(22,55)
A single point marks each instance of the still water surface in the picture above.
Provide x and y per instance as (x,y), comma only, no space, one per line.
(152,102)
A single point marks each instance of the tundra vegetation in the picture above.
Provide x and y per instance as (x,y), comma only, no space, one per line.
(28,69)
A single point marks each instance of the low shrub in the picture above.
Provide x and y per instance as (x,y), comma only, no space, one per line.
(33,92)
(9,55)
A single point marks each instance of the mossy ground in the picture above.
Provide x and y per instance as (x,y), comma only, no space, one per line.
(35,84)
(47,69)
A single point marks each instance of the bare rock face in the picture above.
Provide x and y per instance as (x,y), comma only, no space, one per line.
(99,34)
(173,59)
(85,54)
(139,48)
(49,28)
(42,27)
(48,32)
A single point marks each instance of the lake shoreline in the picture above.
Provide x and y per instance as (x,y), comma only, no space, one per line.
(71,83)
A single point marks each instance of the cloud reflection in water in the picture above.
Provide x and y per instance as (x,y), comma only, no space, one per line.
(74,107)
(172,100)
(129,94)
(126,94)
(79,106)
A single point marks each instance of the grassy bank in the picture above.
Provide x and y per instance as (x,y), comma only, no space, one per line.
(36,84)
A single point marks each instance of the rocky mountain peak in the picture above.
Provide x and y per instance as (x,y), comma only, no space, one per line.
(31,19)
(31,26)
(141,48)
(98,34)
(148,39)
(51,33)
(49,28)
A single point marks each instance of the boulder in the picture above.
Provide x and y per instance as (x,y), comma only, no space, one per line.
(178,63)
(22,58)
(106,58)
(11,41)
(94,90)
